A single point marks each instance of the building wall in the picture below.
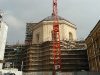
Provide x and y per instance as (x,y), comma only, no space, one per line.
(3,36)
(44,29)
(93,48)
(68,27)
(37,32)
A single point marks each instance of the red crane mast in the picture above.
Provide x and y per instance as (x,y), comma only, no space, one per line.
(56,39)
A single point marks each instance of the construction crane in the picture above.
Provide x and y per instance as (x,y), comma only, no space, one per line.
(56,40)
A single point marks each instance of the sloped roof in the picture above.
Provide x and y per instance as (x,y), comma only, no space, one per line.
(51,18)
(94,29)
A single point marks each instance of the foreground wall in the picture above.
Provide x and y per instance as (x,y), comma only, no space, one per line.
(62,73)
(37,73)
(15,71)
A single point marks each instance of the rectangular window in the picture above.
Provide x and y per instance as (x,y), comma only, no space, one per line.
(95,45)
(90,51)
(97,42)
(93,63)
(98,60)
(37,37)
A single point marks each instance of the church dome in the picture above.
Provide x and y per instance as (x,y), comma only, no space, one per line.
(51,18)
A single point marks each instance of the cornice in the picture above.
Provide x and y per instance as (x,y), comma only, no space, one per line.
(51,22)
(93,31)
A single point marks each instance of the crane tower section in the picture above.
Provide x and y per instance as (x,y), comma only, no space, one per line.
(56,39)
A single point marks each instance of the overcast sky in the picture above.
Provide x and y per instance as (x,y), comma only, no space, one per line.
(83,13)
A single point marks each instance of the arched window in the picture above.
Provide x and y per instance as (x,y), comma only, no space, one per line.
(37,38)
(70,36)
